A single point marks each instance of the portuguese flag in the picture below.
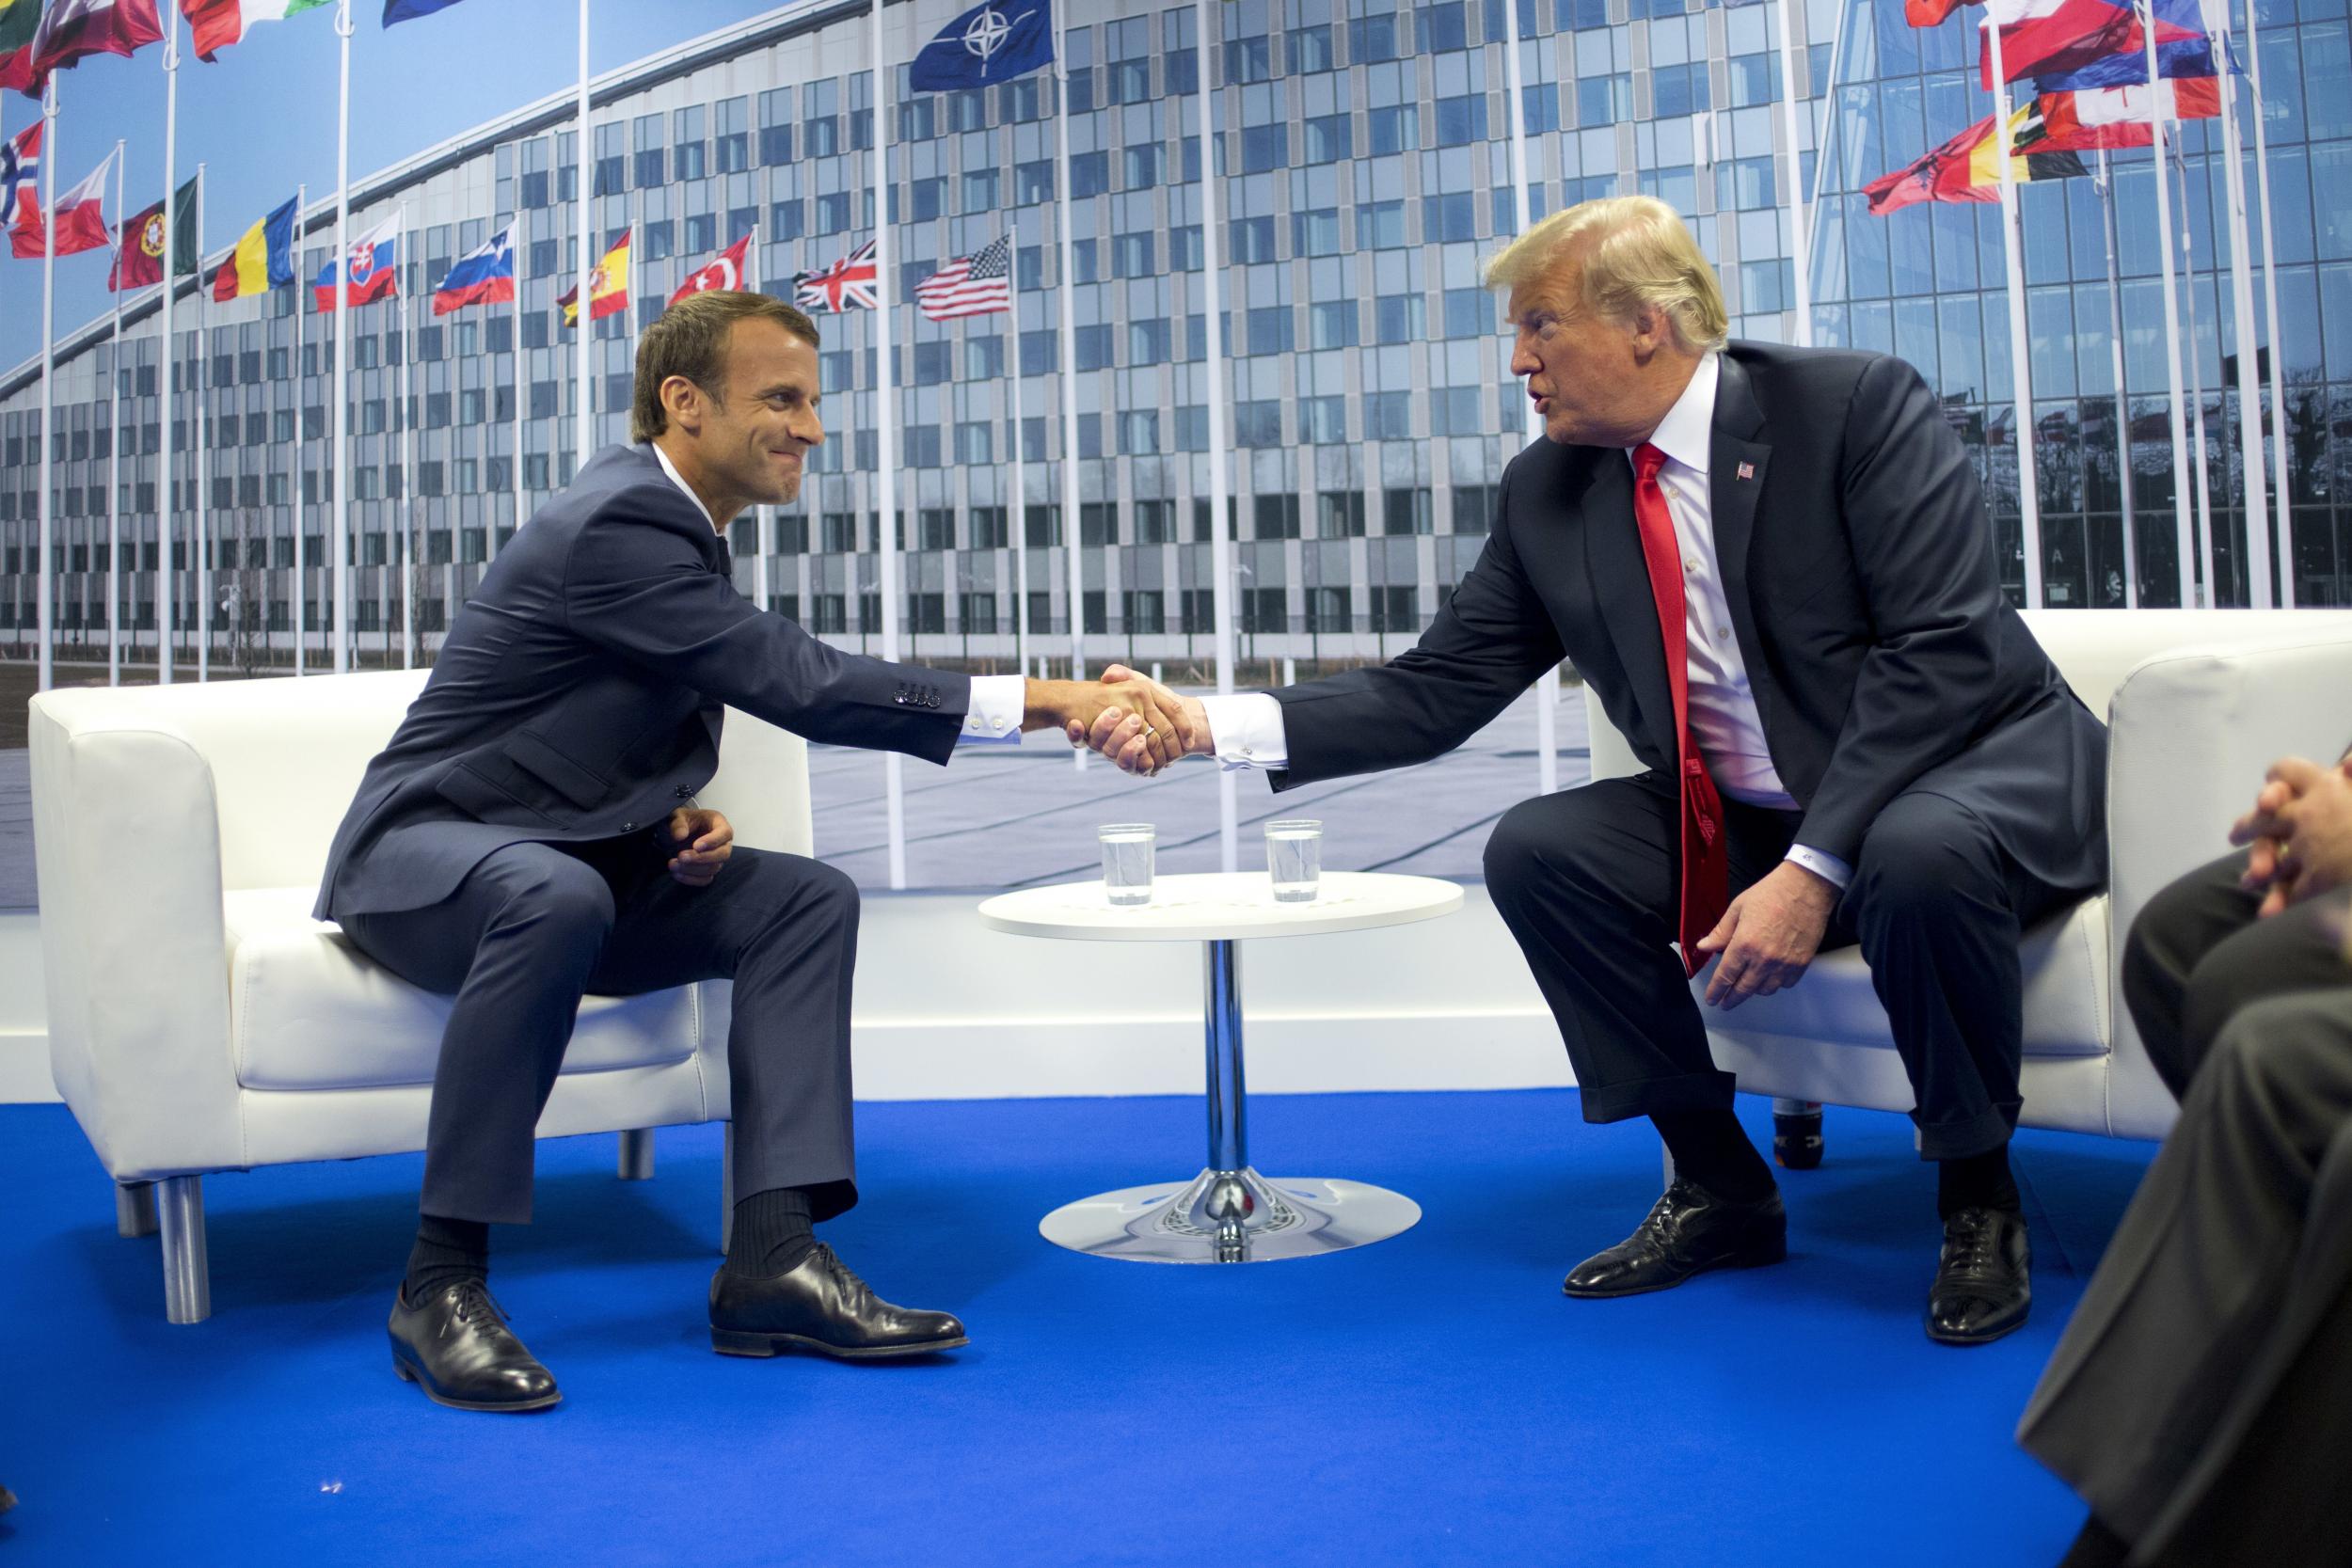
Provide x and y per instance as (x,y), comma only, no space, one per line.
(141,261)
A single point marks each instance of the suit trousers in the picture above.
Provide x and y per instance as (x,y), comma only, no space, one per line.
(1587,882)
(535,927)
(2197,954)
(2200,1399)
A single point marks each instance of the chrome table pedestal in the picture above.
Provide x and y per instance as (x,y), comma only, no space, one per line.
(1229,1214)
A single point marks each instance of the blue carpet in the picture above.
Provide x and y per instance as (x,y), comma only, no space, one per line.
(1430,1400)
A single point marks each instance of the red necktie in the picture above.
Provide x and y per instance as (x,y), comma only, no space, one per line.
(1706,866)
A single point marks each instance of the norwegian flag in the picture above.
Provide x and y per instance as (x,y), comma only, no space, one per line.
(724,273)
(969,285)
(20,191)
(847,285)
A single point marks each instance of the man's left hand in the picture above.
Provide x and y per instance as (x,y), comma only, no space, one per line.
(1769,935)
(2301,830)
(700,841)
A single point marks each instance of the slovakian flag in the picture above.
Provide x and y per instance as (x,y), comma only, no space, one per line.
(608,286)
(20,21)
(20,191)
(73,30)
(725,272)
(219,23)
(484,276)
(994,42)
(847,285)
(140,260)
(1967,167)
(263,256)
(374,268)
(2051,38)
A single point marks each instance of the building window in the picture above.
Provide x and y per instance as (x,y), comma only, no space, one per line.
(1407,511)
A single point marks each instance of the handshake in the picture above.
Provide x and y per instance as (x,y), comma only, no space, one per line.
(1140,724)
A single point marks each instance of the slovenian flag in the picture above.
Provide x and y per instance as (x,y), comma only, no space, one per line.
(484,276)
(374,268)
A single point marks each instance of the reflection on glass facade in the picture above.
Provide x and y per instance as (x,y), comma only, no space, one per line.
(1363,148)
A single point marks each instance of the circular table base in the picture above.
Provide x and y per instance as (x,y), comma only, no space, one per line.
(1230,1217)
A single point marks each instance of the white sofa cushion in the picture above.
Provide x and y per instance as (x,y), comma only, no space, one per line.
(2065,959)
(311,1013)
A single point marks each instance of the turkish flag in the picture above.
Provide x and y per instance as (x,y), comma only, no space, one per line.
(724,273)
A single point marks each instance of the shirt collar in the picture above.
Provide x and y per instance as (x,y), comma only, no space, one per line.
(1687,431)
(671,469)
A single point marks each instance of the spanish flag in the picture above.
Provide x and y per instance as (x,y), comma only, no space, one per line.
(263,257)
(608,286)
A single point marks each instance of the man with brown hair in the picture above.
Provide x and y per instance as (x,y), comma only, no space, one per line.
(530,835)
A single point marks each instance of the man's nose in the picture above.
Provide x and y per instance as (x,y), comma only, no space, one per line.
(810,430)
(1523,360)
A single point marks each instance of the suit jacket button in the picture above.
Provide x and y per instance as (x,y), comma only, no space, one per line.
(628,827)
(683,793)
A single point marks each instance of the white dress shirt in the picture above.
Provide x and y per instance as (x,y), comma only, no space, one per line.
(998,701)
(1247,730)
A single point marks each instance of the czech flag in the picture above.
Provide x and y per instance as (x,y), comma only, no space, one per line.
(484,276)
(374,268)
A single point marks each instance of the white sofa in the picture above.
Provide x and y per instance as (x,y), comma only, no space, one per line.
(200,1021)
(2198,703)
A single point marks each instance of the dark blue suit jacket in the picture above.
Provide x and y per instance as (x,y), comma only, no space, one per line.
(1864,593)
(579,694)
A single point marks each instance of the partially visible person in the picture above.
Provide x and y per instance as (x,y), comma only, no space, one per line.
(2201,1401)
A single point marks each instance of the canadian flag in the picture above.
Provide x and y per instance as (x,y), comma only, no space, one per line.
(724,273)
(79,223)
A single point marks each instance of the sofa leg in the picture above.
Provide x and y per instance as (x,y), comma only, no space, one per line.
(637,1154)
(727,1191)
(134,1208)
(187,1273)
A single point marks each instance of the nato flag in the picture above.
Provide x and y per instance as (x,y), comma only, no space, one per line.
(408,11)
(994,42)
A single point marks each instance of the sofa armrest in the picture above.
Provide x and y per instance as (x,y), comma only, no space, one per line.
(762,784)
(2190,732)
(126,840)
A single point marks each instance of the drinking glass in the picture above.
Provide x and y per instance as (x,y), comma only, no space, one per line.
(1294,859)
(1127,860)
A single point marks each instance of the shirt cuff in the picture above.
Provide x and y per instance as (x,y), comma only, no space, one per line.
(1246,729)
(999,704)
(1828,867)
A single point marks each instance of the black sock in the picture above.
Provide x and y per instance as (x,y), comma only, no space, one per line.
(1712,1149)
(2097,1546)
(446,1252)
(772,1233)
(1977,1181)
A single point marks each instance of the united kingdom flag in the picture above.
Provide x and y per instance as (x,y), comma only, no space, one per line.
(847,285)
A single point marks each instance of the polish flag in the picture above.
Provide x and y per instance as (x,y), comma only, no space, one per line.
(79,223)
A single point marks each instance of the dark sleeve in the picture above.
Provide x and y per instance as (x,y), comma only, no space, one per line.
(639,585)
(1914,520)
(1488,644)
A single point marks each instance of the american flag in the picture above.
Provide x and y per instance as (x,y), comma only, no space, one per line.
(969,285)
(847,285)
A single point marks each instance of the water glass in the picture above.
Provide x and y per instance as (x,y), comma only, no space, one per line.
(1294,859)
(1127,860)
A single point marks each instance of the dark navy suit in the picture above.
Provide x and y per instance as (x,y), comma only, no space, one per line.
(1927,739)
(509,845)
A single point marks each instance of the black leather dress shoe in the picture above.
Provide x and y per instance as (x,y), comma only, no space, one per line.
(1688,1231)
(820,1305)
(457,1348)
(1982,1286)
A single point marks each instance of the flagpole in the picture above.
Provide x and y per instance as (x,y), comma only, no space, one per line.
(749,283)
(2197,393)
(197,573)
(1017,511)
(1800,236)
(2270,310)
(2250,421)
(1067,357)
(414,622)
(45,669)
(2020,374)
(166,500)
(584,430)
(2185,546)
(339,548)
(2122,402)
(514,261)
(302,288)
(886,445)
(1221,524)
(1547,684)
(114,443)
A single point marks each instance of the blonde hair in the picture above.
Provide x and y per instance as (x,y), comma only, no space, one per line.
(1639,254)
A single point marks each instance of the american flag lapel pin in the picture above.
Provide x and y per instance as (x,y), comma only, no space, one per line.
(1747,470)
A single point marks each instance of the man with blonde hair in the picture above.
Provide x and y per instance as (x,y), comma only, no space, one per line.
(1774,567)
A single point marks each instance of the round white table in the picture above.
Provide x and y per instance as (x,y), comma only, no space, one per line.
(1227,1214)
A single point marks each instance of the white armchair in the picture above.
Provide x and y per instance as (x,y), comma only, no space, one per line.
(2198,703)
(200,1021)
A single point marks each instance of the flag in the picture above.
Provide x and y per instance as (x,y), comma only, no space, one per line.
(1930,13)
(994,42)
(484,276)
(217,24)
(2047,38)
(408,11)
(969,285)
(79,222)
(847,285)
(608,286)
(1966,167)
(19,21)
(724,273)
(20,191)
(2180,58)
(2117,116)
(263,256)
(73,30)
(141,261)
(374,268)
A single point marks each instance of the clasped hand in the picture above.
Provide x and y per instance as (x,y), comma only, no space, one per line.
(2300,830)
(700,842)
(1138,724)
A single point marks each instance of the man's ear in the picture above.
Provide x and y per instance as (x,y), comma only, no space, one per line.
(683,402)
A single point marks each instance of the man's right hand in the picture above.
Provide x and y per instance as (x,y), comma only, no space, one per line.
(1149,717)
(1121,737)
(2301,833)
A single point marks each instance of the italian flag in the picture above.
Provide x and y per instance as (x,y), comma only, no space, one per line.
(217,24)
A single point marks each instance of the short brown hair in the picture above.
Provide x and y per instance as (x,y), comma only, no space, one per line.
(691,340)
